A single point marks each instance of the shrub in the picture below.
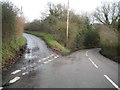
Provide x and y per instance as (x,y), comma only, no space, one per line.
(79,41)
(91,39)
(109,42)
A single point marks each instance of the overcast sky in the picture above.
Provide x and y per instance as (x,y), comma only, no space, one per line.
(32,9)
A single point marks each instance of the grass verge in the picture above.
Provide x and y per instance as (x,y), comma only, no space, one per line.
(10,51)
(51,42)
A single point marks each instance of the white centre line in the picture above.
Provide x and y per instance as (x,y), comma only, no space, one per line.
(86,53)
(16,71)
(115,85)
(14,80)
(93,63)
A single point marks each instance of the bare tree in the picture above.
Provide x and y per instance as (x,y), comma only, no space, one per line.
(55,10)
(108,13)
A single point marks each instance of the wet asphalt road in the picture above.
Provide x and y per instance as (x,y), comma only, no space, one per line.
(41,68)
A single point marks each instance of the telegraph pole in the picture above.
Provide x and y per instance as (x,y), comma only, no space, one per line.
(67,24)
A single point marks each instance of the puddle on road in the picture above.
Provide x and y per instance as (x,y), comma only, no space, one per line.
(31,53)
(30,59)
(30,56)
(33,49)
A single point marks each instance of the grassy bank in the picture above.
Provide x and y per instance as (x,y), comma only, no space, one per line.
(51,42)
(10,51)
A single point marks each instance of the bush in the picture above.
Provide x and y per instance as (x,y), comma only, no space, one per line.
(91,39)
(109,43)
(79,41)
(12,30)
(9,13)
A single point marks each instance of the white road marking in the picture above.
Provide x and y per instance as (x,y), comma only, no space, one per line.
(34,63)
(86,53)
(46,57)
(39,61)
(16,71)
(24,73)
(56,56)
(49,60)
(46,62)
(115,85)
(49,57)
(23,68)
(93,63)
(1,88)
(14,80)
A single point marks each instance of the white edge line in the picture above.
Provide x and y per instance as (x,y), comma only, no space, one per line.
(115,85)
(14,79)
(93,63)
(16,71)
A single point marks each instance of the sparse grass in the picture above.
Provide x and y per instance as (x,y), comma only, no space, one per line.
(51,42)
(9,50)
